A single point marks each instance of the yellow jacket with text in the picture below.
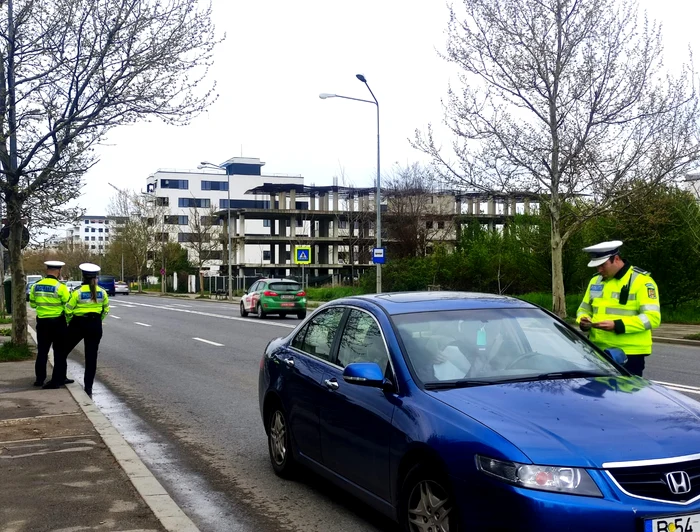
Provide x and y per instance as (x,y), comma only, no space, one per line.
(81,303)
(49,297)
(631,301)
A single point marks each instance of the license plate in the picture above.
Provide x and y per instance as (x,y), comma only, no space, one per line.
(684,523)
(287,297)
(287,304)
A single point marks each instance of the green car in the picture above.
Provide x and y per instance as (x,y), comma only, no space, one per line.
(274,296)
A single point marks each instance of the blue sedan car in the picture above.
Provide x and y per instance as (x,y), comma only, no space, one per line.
(460,412)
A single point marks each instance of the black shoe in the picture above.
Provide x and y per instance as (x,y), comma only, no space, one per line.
(51,385)
(68,381)
(38,384)
(89,393)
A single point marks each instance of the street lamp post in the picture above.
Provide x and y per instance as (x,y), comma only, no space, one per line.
(378,198)
(204,164)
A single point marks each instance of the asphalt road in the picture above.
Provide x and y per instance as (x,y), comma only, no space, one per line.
(180,383)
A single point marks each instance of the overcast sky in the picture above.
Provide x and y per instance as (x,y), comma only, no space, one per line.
(279,55)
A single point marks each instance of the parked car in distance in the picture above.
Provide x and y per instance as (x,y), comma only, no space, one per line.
(31,279)
(460,412)
(107,282)
(73,285)
(120,287)
(274,296)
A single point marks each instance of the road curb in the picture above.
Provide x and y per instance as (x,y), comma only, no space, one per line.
(152,492)
(677,341)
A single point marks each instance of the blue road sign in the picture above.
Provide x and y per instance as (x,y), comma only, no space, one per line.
(379,255)
(302,254)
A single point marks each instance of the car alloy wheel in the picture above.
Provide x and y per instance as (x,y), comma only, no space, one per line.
(260,311)
(279,444)
(244,312)
(429,508)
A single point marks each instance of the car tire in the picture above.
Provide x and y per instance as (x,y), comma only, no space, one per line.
(259,311)
(301,315)
(279,443)
(244,312)
(426,498)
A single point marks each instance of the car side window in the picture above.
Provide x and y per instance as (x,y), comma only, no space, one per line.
(362,341)
(253,288)
(320,333)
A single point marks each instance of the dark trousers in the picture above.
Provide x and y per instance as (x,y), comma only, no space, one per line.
(50,331)
(635,364)
(89,330)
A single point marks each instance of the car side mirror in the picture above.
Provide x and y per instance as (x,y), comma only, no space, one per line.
(364,374)
(245,291)
(617,354)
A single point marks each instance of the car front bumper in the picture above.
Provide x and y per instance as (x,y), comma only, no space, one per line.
(499,507)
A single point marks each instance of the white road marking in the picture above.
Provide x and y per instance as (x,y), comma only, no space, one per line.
(126,306)
(207,342)
(695,388)
(220,316)
(179,305)
(115,317)
(142,324)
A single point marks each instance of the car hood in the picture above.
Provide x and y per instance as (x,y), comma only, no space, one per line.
(584,422)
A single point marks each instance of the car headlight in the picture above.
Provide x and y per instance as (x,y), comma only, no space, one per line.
(572,480)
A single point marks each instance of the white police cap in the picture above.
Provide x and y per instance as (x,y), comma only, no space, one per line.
(602,252)
(89,269)
(54,264)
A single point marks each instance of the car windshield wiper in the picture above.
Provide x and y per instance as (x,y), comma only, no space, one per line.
(554,375)
(455,384)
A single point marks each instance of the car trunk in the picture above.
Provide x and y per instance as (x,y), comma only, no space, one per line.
(285,293)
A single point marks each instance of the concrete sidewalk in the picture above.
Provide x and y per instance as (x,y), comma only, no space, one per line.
(64,467)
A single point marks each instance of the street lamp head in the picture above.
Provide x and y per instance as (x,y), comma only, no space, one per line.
(361,78)
(325,95)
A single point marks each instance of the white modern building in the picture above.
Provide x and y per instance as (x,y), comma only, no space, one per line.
(693,181)
(92,233)
(188,194)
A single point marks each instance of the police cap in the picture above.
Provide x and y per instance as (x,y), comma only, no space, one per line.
(53,264)
(602,252)
(89,270)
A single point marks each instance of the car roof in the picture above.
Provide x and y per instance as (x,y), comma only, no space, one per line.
(410,302)
(279,281)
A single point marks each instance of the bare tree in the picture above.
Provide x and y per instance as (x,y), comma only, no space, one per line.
(418,215)
(140,228)
(71,71)
(566,98)
(203,236)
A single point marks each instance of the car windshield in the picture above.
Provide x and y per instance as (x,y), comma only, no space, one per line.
(285,286)
(495,345)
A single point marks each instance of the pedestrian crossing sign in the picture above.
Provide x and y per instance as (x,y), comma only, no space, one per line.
(302,254)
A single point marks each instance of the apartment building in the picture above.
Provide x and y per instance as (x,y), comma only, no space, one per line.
(190,200)
(92,232)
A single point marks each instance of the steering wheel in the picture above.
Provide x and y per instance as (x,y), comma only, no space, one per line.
(526,356)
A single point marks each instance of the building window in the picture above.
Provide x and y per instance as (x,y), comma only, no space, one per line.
(87,239)
(92,229)
(87,221)
(177,220)
(215,185)
(428,225)
(441,225)
(100,239)
(186,237)
(208,221)
(214,255)
(162,202)
(100,247)
(266,255)
(92,247)
(100,230)
(182,184)
(92,238)
(106,223)
(201,203)
(343,224)
(87,229)
(266,223)
(106,230)
(300,222)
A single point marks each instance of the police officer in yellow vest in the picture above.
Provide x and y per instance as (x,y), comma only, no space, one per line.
(621,305)
(87,308)
(49,297)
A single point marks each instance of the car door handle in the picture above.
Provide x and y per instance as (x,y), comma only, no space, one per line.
(331,384)
(289,362)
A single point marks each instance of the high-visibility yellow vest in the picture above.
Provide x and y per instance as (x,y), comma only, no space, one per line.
(81,303)
(634,319)
(49,297)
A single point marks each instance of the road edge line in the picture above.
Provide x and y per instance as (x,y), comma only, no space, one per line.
(151,491)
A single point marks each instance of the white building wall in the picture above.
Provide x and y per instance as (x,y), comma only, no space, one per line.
(239,184)
(92,232)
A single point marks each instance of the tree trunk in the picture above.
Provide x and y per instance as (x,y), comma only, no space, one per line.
(558,293)
(19,282)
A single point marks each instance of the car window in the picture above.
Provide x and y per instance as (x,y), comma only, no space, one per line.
(285,287)
(318,335)
(253,288)
(493,344)
(362,341)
